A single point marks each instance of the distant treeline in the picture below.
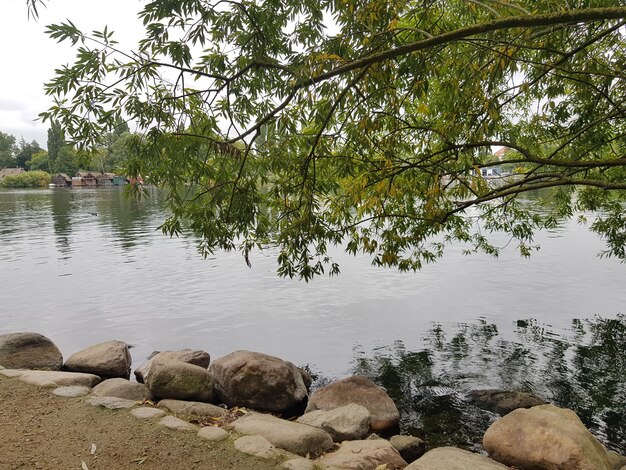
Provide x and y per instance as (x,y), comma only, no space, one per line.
(60,156)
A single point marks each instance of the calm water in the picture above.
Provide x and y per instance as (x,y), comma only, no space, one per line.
(83,266)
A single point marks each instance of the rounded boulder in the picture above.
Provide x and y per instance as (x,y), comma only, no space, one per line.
(180,380)
(545,437)
(362,391)
(122,388)
(258,381)
(108,359)
(190,356)
(29,351)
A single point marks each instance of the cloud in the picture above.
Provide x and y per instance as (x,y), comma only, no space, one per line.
(10,105)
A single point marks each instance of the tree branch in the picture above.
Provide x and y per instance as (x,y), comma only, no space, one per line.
(525,21)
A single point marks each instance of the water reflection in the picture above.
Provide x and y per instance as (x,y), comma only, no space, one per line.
(581,368)
(128,217)
(61,210)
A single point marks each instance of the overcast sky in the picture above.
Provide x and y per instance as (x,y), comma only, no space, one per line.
(29,57)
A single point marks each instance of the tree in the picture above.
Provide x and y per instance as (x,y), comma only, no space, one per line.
(39,161)
(7,150)
(67,161)
(114,149)
(364,123)
(25,152)
(56,140)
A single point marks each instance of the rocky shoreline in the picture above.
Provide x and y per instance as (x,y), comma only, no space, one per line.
(266,404)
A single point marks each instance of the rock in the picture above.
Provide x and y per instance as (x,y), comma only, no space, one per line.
(108,359)
(29,351)
(502,401)
(190,356)
(617,460)
(258,381)
(112,403)
(298,464)
(177,424)
(122,388)
(213,434)
(545,437)
(362,391)
(11,373)
(179,380)
(410,448)
(367,454)
(52,379)
(257,446)
(71,391)
(346,423)
(146,412)
(451,458)
(306,377)
(293,437)
(204,410)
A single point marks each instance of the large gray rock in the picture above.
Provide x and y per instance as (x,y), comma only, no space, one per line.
(362,391)
(410,448)
(451,458)
(192,408)
(545,437)
(108,359)
(258,381)
(346,423)
(179,380)
(29,351)
(298,438)
(190,356)
(364,455)
(122,388)
(502,401)
(54,379)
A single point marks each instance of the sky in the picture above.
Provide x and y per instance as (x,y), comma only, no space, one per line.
(29,57)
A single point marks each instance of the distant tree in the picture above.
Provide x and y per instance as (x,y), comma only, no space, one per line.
(120,129)
(66,161)
(56,140)
(25,151)
(39,161)
(114,152)
(7,150)
(98,160)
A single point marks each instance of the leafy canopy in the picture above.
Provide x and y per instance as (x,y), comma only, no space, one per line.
(363,123)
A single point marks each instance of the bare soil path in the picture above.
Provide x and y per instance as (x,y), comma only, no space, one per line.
(41,431)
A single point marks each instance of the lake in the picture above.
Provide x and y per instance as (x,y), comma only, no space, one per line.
(84,266)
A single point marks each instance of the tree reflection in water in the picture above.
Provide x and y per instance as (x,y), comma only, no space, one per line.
(582,368)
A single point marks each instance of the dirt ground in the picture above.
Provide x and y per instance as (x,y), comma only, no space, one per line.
(41,431)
